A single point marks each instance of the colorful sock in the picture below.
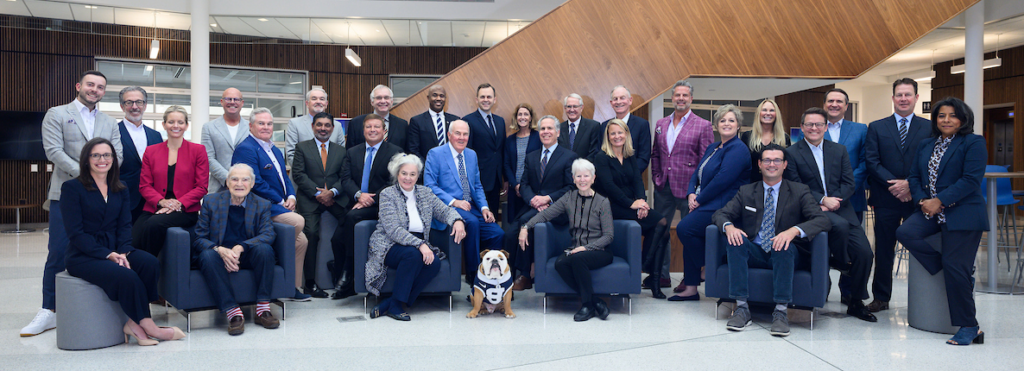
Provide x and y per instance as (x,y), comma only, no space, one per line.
(236,311)
(262,307)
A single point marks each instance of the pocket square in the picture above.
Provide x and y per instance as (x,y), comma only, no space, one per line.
(268,166)
(750,209)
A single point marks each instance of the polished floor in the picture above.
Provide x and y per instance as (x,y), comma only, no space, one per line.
(659,335)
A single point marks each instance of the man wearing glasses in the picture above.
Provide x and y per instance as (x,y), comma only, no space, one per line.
(221,136)
(135,137)
(382,99)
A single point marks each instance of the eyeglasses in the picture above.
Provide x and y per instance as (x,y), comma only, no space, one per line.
(818,125)
(772,161)
(231,99)
(129,103)
(105,156)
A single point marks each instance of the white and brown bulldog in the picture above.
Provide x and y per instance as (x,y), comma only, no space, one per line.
(493,284)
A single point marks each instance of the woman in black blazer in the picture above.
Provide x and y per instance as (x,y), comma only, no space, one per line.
(618,178)
(98,222)
(524,139)
(945,183)
(769,129)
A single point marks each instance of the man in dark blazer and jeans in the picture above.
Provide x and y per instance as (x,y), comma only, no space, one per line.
(135,137)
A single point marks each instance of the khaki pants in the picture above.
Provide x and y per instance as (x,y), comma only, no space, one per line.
(295,220)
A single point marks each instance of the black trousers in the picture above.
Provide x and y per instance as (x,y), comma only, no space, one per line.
(887,219)
(150,231)
(343,241)
(955,261)
(850,238)
(132,288)
(260,259)
(411,274)
(575,271)
(137,211)
(494,202)
(519,258)
(312,232)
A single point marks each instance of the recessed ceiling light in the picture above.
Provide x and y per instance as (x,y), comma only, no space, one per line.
(213,25)
(378,30)
(87,6)
(261,19)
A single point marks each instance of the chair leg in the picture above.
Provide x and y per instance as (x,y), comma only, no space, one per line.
(813,310)
(280,304)
(630,301)
(545,305)
(449,302)
(188,322)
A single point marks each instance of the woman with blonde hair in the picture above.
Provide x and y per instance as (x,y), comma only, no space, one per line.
(767,129)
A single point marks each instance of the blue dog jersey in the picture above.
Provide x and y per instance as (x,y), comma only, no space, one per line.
(494,290)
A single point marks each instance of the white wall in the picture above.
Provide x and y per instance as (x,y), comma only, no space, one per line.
(875,100)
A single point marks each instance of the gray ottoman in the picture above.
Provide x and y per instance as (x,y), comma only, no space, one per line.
(927,308)
(86,318)
(324,252)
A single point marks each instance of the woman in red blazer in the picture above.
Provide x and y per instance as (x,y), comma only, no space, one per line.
(173,181)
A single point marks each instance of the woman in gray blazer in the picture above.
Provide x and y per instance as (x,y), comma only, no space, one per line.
(402,238)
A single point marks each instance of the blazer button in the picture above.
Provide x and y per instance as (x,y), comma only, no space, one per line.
(670,168)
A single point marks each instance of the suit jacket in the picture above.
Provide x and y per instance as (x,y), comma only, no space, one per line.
(490,146)
(131,167)
(191,176)
(380,177)
(213,221)
(511,158)
(640,130)
(885,159)
(220,147)
(802,168)
(588,137)
(795,207)
(723,174)
(309,174)
(397,132)
(268,181)
(679,165)
(422,135)
(95,227)
(300,129)
(958,184)
(620,182)
(852,136)
(441,175)
(63,139)
(554,181)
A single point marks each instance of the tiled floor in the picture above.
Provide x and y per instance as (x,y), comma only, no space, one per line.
(658,335)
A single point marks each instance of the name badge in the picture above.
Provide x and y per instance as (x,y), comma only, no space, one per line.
(750,209)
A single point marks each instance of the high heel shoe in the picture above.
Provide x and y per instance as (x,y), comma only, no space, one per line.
(143,341)
(656,258)
(967,336)
(178,334)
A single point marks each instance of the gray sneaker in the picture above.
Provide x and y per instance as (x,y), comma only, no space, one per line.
(780,324)
(740,319)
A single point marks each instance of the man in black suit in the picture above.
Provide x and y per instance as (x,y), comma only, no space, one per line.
(580,134)
(368,174)
(487,138)
(889,151)
(785,217)
(639,128)
(395,128)
(318,167)
(430,129)
(135,137)
(824,166)
(547,175)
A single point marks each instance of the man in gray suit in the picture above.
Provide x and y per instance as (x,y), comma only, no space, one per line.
(65,130)
(221,136)
(300,128)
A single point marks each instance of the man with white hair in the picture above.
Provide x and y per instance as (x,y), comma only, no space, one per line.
(395,128)
(578,133)
(300,128)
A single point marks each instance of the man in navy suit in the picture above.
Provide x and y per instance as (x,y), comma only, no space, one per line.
(395,128)
(487,138)
(578,133)
(889,153)
(430,129)
(639,128)
(272,183)
(453,173)
(135,137)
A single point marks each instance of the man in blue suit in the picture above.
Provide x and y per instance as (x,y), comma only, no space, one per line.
(135,137)
(639,128)
(487,138)
(453,173)
(272,183)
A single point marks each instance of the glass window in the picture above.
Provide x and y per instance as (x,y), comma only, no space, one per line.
(173,76)
(222,78)
(283,108)
(281,82)
(130,74)
(406,86)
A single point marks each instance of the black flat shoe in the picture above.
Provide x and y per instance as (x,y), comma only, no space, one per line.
(401,317)
(584,314)
(315,292)
(694,297)
(602,309)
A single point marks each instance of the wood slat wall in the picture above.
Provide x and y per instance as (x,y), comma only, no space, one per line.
(793,105)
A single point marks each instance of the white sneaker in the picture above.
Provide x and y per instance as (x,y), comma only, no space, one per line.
(45,320)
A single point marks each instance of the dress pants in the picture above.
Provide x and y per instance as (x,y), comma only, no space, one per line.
(312,232)
(887,219)
(149,232)
(260,259)
(132,288)
(494,202)
(848,237)
(575,270)
(955,261)
(411,274)
(749,255)
(137,211)
(478,233)
(666,204)
(295,220)
(691,232)
(57,245)
(344,238)
(520,259)
(647,225)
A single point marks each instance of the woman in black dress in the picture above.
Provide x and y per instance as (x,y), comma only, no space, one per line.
(768,129)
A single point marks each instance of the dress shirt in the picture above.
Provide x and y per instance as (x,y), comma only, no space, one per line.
(433,123)
(138,134)
(415,222)
(819,158)
(486,123)
(455,157)
(88,118)
(327,148)
(268,148)
(834,129)
(551,150)
(366,153)
(910,119)
(674,130)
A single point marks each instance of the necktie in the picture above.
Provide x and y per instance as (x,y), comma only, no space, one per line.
(572,134)
(490,124)
(366,170)
(385,130)
(323,154)
(903,132)
(440,131)
(464,179)
(544,162)
(768,223)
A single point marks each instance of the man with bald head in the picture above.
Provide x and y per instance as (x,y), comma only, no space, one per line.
(430,129)
(221,136)
(639,128)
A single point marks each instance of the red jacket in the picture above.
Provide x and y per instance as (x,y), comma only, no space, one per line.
(191,176)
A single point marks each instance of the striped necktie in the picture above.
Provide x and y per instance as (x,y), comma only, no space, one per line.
(903,132)
(440,130)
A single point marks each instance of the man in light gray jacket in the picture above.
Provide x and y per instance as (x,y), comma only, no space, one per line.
(300,129)
(221,136)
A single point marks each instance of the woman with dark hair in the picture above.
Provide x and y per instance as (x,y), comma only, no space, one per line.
(768,129)
(524,139)
(945,182)
(98,222)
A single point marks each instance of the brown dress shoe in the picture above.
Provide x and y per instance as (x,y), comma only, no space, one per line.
(678,289)
(267,320)
(878,306)
(522,283)
(236,326)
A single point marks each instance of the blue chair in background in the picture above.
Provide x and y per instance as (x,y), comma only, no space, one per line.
(1004,199)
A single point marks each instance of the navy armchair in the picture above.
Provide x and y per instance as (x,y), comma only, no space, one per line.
(620,278)
(184,287)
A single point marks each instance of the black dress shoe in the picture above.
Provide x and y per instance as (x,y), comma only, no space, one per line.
(602,309)
(857,309)
(315,292)
(584,314)
(343,293)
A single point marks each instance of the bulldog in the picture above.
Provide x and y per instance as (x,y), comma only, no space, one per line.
(493,284)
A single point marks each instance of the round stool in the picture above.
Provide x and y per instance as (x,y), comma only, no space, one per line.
(927,308)
(86,318)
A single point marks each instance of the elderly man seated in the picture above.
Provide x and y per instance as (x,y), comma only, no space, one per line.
(235,232)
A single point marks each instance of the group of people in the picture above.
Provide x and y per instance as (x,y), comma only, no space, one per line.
(439,172)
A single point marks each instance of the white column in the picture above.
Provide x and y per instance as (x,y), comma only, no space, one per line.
(200,67)
(974,56)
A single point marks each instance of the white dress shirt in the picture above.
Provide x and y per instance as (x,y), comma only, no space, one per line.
(138,135)
(674,130)
(819,158)
(433,123)
(88,118)
(415,222)
(834,129)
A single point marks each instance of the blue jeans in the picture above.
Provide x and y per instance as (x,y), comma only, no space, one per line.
(749,255)
(57,246)
(260,259)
